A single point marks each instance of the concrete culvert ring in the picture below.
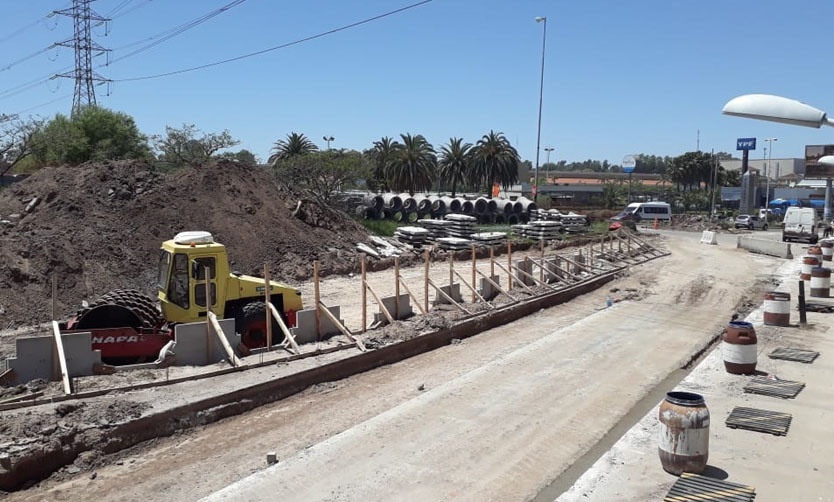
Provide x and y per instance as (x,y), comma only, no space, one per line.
(253,326)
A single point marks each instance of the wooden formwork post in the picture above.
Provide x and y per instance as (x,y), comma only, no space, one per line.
(541,263)
(451,269)
(509,265)
(396,287)
(208,312)
(491,262)
(54,296)
(317,299)
(364,295)
(267,297)
(426,281)
(474,267)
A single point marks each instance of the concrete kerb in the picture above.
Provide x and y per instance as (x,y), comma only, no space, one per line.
(764,246)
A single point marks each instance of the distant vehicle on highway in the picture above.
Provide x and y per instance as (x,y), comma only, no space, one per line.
(751,222)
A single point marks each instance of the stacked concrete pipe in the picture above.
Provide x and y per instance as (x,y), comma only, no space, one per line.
(393,202)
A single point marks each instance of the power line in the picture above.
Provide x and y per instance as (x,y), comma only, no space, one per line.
(28,26)
(277,47)
(178,30)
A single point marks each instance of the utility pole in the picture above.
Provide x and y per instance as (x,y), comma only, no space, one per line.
(84,48)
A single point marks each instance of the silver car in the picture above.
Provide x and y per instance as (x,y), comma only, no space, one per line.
(750,222)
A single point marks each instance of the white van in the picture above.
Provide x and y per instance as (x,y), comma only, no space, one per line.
(646,211)
(800,224)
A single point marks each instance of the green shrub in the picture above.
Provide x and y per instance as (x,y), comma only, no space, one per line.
(384,228)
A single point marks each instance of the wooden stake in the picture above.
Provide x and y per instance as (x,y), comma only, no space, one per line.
(426,282)
(475,295)
(267,292)
(284,329)
(341,327)
(62,358)
(381,306)
(451,270)
(396,287)
(208,312)
(491,261)
(54,296)
(509,265)
(541,267)
(474,266)
(449,298)
(413,297)
(317,298)
(364,296)
(218,331)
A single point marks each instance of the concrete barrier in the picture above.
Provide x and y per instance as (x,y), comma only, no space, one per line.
(764,246)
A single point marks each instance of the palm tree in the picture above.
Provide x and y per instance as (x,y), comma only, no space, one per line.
(380,155)
(495,161)
(455,162)
(295,144)
(412,166)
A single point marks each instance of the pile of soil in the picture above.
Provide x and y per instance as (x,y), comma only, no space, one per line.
(98,227)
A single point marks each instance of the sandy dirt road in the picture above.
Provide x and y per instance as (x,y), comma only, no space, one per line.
(496,417)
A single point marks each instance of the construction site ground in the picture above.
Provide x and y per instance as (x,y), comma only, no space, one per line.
(500,416)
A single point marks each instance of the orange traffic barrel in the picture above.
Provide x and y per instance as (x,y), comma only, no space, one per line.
(683,444)
(739,347)
(821,282)
(777,308)
(827,246)
(808,262)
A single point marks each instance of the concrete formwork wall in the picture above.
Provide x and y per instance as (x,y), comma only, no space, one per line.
(453,290)
(35,357)
(305,332)
(488,291)
(195,347)
(399,308)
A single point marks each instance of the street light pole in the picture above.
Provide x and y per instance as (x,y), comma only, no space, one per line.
(540,19)
(328,139)
(767,171)
(547,149)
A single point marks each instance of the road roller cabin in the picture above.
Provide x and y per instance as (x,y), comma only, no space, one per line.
(127,325)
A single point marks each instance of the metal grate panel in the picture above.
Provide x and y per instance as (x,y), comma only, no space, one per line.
(785,389)
(752,419)
(788,354)
(694,487)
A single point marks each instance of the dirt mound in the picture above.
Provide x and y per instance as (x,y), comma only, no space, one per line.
(98,227)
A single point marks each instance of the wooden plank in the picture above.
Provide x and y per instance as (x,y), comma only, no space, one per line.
(218,331)
(345,331)
(537,281)
(62,358)
(288,336)
(413,297)
(526,287)
(497,286)
(444,295)
(475,294)
(381,306)
(268,311)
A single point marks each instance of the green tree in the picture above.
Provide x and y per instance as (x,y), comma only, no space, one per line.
(690,170)
(323,174)
(94,133)
(379,156)
(413,165)
(16,140)
(191,146)
(495,161)
(455,162)
(612,195)
(243,156)
(294,144)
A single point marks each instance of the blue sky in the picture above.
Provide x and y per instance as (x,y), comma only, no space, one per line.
(621,77)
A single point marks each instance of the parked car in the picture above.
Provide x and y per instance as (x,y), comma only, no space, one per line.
(751,222)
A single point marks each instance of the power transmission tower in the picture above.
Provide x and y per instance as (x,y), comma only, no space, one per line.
(84,47)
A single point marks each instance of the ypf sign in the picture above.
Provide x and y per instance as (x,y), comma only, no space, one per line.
(746,144)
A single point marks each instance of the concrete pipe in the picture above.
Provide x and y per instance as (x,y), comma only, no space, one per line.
(467,207)
(492,206)
(374,201)
(411,217)
(409,204)
(499,218)
(393,202)
(385,214)
(422,203)
(527,205)
(480,205)
(513,219)
(504,206)
(438,205)
(452,205)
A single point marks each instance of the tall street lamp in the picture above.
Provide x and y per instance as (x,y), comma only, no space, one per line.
(328,139)
(543,20)
(769,142)
(548,149)
(785,111)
